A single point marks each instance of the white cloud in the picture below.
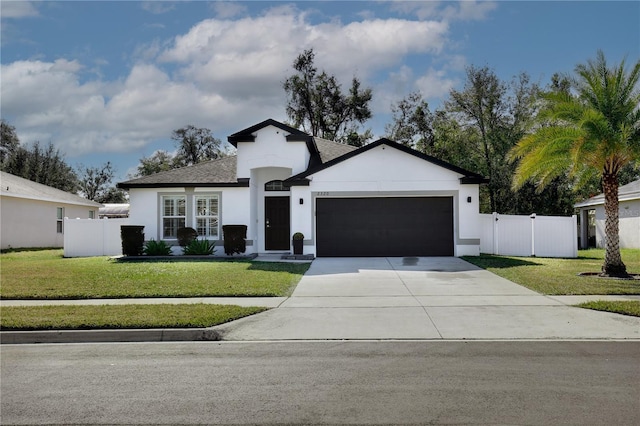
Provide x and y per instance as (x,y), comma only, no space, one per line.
(223,74)
(18,9)
(227,9)
(248,55)
(435,84)
(465,10)
(471,10)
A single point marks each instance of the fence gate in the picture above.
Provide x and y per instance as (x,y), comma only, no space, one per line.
(516,235)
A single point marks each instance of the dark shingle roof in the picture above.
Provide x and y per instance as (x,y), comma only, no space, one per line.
(330,149)
(220,172)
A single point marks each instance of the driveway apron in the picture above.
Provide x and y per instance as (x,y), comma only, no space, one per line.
(421,298)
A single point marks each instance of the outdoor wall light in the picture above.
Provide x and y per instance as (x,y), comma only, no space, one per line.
(301,201)
(468,199)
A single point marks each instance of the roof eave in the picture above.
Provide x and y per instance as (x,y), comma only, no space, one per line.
(297,182)
(473,180)
(241,183)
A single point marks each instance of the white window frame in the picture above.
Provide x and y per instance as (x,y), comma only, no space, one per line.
(206,213)
(174,216)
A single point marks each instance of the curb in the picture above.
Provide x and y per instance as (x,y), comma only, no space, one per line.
(98,336)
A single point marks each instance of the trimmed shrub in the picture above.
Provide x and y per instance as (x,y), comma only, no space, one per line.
(132,240)
(186,235)
(200,247)
(157,248)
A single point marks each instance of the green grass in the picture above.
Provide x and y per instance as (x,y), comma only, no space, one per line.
(120,316)
(626,307)
(46,274)
(560,276)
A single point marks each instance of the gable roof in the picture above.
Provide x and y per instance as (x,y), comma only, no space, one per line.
(214,173)
(324,153)
(222,172)
(628,192)
(467,178)
(247,135)
(17,187)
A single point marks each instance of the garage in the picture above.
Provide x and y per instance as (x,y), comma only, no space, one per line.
(384,226)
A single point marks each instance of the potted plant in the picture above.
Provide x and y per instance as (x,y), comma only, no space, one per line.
(298,239)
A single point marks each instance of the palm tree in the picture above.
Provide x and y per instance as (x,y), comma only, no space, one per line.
(592,129)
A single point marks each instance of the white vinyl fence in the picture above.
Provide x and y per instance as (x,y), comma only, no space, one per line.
(92,237)
(543,236)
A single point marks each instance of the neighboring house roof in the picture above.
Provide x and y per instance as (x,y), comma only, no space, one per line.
(214,173)
(468,177)
(17,187)
(628,192)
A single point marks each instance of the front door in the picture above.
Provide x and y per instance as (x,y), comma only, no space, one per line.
(276,218)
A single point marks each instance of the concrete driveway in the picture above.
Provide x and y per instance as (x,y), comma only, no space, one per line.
(421,298)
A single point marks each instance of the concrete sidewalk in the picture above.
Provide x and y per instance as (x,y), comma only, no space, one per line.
(422,298)
(266,302)
(381,298)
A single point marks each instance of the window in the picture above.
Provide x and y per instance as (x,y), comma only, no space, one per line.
(60,220)
(275,185)
(206,215)
(92,214)
(173,215)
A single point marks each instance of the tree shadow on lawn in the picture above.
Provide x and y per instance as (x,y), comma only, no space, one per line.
(486,261)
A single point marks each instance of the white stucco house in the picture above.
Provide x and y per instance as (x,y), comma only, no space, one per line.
(383,199)
(592,218)
(32,214)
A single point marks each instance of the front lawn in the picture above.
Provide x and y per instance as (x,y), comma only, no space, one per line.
(560,276)
(624,307)
(120,316)
(47,275)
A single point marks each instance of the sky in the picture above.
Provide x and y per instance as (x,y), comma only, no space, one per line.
(110,80)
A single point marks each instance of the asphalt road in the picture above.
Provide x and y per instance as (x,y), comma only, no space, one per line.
(586,383)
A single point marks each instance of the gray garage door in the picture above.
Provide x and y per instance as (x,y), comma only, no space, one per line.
(395,226)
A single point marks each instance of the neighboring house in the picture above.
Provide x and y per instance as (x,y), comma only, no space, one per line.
(114,211)
(383,199)
(32,214)
(592,218)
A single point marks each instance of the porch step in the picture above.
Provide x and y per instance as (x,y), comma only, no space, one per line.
(298,257)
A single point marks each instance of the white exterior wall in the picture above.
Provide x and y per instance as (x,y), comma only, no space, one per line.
(469,234)
(629,224)
(271,149)
(32,223)
(302,217)
(387,172)
(234,209)
(145,210)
